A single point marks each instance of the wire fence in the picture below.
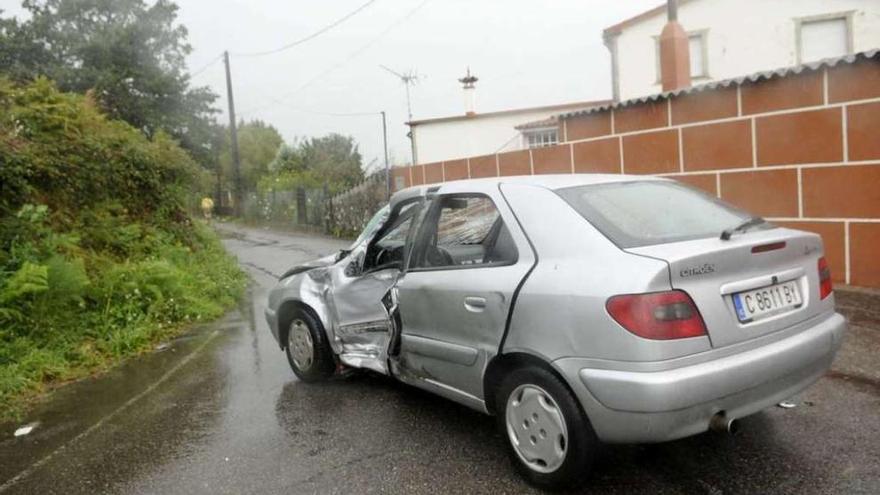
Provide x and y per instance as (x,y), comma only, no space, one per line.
(316,210)
(349,211)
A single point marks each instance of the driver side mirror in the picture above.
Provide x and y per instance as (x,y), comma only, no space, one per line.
(356,266)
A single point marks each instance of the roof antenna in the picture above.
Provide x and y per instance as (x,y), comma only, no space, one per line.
(410,78)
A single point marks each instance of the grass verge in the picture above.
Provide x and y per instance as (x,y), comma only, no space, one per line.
(83,312)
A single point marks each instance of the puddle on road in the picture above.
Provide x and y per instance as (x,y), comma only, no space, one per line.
(73,408)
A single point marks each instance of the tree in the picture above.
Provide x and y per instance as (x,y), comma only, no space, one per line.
(258,145)
(130,56)
(21,54)
(289,159)
(335,159)
(332,161)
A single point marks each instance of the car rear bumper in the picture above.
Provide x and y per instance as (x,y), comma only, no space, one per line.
(655,406)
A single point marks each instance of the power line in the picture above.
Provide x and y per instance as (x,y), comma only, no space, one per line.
(276,101)
(366,46)
(329,114)
(309,37)
(300,41)
(206,66)
(333,114)
(353,55)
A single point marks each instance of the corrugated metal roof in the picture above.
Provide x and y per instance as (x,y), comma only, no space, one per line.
(549,122)
(757,76)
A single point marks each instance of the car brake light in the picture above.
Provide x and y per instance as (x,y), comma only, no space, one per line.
(773,246)
(657,315)
(825,285)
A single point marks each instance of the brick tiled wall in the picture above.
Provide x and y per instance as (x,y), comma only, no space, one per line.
(802,150)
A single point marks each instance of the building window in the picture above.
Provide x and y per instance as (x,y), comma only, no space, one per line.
(824,36)
(698,51)
(539,138)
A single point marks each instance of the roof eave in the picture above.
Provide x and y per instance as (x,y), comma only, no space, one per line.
(549,108)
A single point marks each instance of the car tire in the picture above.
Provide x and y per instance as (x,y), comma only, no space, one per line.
(307,349)
(550,440)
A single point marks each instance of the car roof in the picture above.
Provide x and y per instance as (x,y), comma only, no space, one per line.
(550,181)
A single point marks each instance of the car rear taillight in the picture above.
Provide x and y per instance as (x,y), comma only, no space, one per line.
(657,315)
(825,285)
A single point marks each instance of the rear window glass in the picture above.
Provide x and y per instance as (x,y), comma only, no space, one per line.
(642,213)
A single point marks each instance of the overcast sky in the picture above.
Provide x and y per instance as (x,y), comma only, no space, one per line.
(525,52)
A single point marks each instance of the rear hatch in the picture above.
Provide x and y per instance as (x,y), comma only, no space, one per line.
(756,283)
(759,279)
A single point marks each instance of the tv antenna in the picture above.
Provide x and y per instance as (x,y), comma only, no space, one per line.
(410,78)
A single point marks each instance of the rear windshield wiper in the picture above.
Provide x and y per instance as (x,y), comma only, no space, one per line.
(751,222)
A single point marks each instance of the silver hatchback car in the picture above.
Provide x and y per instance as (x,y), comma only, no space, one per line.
(578,309)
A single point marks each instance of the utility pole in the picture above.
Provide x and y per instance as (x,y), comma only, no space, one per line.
(387,169)
(216,152)
(408,79)
(236,163)
(410,135)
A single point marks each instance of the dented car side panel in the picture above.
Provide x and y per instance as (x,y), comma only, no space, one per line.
(362,324)
(454,318)
(348,303)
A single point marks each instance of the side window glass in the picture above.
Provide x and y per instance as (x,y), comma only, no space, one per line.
(464,230)
(388,249)
(372,226)
(397,235)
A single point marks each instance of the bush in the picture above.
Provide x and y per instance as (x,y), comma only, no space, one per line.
(65,315)
(350,211)
(98,259)
(57,149)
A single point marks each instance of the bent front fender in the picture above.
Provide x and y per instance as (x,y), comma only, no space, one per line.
(310,289)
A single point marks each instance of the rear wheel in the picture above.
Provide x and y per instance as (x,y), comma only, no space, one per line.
(307,349)
(550,440)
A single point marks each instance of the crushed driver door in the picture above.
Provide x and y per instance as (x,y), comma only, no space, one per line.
(363,323)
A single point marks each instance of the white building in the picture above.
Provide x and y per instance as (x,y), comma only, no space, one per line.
(732,38)
(473,134)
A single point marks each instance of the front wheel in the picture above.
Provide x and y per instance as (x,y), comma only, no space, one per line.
(551,441)
(307,349)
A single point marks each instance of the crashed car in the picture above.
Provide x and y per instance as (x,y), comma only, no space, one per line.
(578,309)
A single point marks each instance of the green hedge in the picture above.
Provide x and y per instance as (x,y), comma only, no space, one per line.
(98,258)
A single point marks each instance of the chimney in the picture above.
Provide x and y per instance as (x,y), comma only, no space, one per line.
(468,84)
(675,60)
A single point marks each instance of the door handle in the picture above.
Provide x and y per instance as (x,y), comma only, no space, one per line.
(475,304)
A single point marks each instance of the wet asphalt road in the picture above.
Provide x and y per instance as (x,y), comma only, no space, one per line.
(219,411)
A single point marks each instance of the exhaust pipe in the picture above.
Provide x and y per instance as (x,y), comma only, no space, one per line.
(721,423)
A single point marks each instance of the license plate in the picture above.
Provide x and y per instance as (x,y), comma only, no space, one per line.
(759,303)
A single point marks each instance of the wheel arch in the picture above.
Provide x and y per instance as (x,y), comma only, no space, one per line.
(502,364)
(287,311)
